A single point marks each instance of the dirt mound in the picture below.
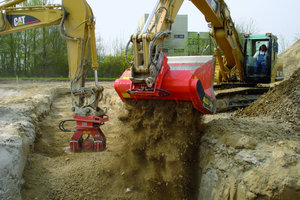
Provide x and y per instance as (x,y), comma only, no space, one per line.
(291,59)
(161,148)
(281,102)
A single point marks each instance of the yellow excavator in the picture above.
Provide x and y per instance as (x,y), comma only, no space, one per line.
(77,26)
(155,76)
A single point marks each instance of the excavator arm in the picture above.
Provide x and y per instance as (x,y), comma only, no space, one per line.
(147,43)
(159,26)
(77,26)
(225,38)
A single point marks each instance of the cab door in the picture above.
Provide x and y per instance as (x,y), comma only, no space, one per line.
(251,47)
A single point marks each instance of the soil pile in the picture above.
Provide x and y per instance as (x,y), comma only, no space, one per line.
(281,102)
(291,59)
(161,148)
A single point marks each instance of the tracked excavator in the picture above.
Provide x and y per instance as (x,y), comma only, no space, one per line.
(77,26)
(154,76)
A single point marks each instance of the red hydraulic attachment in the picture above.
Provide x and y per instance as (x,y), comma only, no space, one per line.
(185,82)
(89,126)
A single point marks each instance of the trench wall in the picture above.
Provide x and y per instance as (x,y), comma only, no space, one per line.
(17,135)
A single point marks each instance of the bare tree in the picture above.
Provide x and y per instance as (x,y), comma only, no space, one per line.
(248,26)
(297,36)
(283,43)
(117,46)
(100,46)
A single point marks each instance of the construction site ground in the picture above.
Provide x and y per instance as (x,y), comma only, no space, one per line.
(155,150)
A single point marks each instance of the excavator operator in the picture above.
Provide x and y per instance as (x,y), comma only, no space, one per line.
(261,55)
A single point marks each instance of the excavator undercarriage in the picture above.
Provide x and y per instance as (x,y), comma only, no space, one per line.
(237,96)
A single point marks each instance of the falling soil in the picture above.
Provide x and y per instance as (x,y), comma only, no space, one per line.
(162,148)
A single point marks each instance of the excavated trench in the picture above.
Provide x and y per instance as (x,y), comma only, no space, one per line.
(152,153)
(22,105)
(50,173)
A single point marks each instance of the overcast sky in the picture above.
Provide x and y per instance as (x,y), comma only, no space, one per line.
(117,19)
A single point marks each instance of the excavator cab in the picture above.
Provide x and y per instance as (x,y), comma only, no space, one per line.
(260,70)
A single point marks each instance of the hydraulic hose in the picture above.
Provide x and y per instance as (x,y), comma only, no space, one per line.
(126,50)
(152,44)
(61,125)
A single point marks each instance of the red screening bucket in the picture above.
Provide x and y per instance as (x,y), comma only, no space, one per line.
(184,78)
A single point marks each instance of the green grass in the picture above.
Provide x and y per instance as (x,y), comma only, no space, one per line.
(53,78)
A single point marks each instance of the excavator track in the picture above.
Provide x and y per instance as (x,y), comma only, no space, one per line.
(237,97)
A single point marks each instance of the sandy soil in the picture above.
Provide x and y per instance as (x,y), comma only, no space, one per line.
(254,153)
(22,105)
(52,174)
